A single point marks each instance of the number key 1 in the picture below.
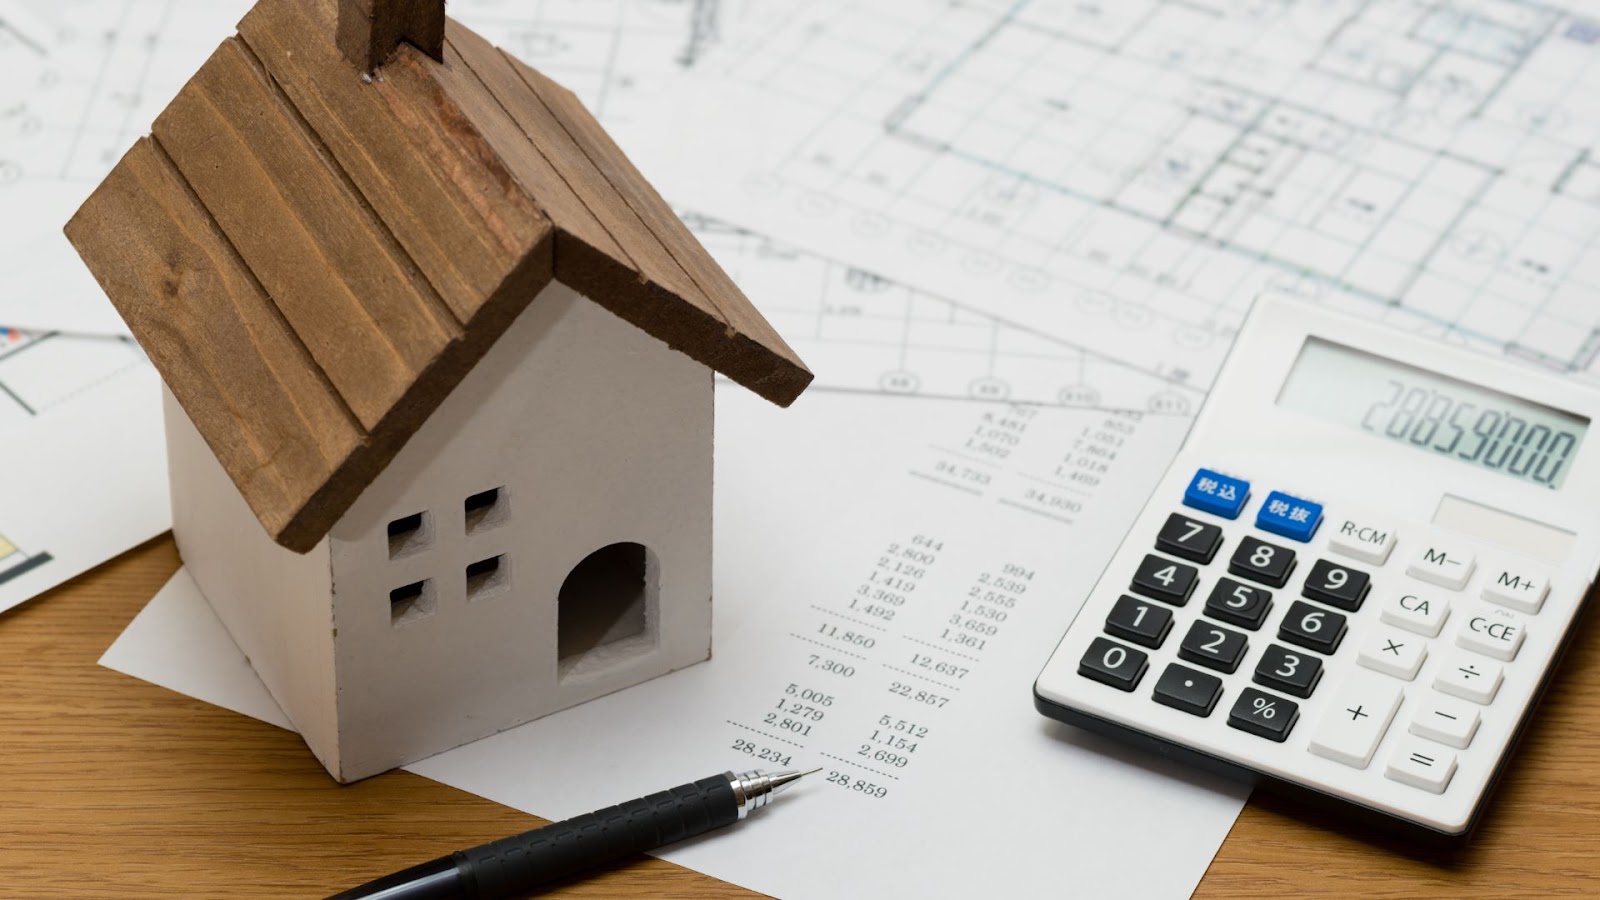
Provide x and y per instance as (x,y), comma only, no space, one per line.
(1139,621)
(1191,540)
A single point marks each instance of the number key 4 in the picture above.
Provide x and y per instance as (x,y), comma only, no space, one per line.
(1165,580)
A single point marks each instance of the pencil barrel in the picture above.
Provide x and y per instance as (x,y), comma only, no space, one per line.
(511,867)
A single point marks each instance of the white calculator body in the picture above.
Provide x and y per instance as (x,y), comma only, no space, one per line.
(1357,575)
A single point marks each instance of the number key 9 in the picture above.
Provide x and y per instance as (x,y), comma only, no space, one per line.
(1337,586)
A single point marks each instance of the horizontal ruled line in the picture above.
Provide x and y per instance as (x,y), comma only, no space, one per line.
(948,687)
(941,649)
(847,618)
(1058,485)
(764,734)
(851,762)
(825,646)
(959,454)
(949,484)
(1038,512)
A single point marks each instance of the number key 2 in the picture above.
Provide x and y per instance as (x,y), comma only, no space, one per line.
(1239,604)
(1108,662)
(1337,586)
(1139,621)
(1312,628)
(1260,561)
(1213,646)
(1191,540)
(1163,579)
(1284,670)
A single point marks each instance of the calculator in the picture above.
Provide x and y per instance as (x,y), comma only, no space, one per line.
(1356,576)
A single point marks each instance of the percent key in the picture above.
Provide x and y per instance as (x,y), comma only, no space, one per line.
(1263,715)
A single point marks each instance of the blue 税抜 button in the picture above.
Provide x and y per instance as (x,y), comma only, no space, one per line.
(1289,516)
(1216,493)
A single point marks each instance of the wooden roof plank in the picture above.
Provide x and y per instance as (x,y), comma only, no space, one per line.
(275,424)
(356,302)
(756,356)
(545,137)
(550,191)
(431,178)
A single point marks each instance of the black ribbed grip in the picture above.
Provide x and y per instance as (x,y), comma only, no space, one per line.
(513,866)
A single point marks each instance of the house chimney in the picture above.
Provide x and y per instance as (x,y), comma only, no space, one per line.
(371,30)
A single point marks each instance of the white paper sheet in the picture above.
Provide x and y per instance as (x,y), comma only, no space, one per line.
(1129,176)
(83,457)
(946,506)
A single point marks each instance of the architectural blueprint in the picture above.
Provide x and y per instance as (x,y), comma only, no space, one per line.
(97,72)
(81,457)
(1131,175)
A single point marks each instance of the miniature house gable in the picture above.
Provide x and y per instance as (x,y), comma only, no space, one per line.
(438,362)
(313,256)
(453,596)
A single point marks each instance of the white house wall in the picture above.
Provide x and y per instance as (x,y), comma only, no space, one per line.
(274,602)
(596,433)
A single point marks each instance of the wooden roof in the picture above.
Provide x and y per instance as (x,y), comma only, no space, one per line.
(314,258)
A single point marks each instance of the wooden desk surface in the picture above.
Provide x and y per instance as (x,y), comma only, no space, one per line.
(110,787)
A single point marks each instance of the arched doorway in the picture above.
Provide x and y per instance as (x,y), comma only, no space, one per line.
(606,609)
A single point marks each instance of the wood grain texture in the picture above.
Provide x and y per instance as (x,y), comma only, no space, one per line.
(237,367)
(370,320)
(369,31)
(396,224)
(114,788)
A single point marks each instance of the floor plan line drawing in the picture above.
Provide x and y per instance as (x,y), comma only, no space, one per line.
(916,342)
(1424,162)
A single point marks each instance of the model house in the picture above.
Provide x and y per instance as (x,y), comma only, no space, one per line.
(439,369)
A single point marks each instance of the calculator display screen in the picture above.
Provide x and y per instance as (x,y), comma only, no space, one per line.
(1434,413)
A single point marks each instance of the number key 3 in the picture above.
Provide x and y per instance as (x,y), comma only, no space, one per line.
(1285,670)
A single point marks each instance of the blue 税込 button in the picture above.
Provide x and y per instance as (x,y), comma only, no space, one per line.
(1289,516)
(1216,493)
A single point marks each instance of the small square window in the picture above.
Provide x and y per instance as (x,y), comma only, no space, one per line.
(487,577)
(412,602)
(485,509)
(410,534)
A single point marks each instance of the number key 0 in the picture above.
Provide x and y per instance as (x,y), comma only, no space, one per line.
(1337,586)
(1260,561)
(1312,628)
(1108,662)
